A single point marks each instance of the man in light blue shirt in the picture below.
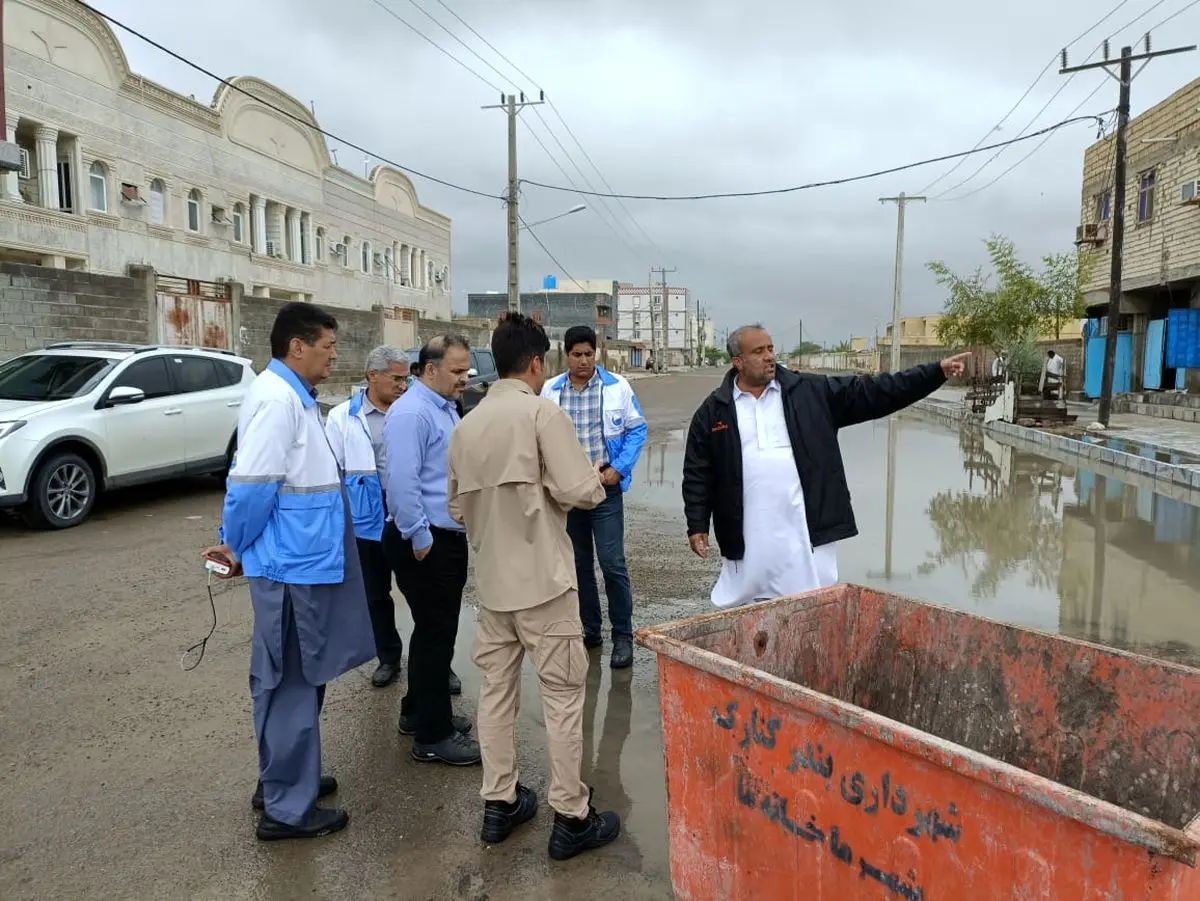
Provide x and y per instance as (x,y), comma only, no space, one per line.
(427,549)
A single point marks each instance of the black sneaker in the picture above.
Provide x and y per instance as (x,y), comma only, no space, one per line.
(571,836)
(592,642)
(622,655)
(329,785)
(320,821)
(408,724)
(455,684)
(457,750)
(500,818)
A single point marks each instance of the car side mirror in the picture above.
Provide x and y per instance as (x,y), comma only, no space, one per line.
(472,373)
(124,395)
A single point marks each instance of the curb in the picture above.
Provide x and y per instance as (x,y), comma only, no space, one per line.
(1181,475)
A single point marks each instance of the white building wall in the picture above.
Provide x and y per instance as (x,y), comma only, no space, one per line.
(634,316)
(79,83)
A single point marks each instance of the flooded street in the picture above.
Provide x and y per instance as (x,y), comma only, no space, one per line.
(128,778)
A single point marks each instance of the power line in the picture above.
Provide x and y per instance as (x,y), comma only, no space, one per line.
(1062,87)
(571,181)
(1029,90)
(413,28)
(1036,148)
(468,47)
(560,118)
(828,182)
(546,250)
(1172,16)
(283,112)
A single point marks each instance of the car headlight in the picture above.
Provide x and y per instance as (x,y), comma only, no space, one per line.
(7,428)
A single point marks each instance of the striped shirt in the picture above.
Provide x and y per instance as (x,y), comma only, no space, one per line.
(583,406)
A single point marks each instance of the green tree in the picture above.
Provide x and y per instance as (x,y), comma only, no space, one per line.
(806,347)
(1013,303)
(714,356)
(843,347)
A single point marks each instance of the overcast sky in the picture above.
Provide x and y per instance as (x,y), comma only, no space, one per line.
(701,96)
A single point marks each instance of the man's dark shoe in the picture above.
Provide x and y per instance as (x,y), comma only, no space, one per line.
(455,684)
(571,836)
(591,642)
(320,821)
(329,785)
(461,724)
(622,655)
(500,818)
(386,674)
(457,750)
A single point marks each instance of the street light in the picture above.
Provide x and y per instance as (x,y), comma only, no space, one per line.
(575,209)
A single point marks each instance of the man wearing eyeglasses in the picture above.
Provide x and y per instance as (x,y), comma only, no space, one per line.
(355,433)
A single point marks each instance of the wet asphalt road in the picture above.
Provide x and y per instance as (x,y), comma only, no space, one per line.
(125,777)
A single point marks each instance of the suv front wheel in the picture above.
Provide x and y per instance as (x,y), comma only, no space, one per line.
(62,493)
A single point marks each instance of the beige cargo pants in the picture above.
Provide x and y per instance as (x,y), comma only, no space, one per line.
(553,636)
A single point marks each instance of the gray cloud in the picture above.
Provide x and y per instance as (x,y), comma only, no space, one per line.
(697,96)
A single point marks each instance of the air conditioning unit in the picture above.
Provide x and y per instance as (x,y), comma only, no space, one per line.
(378,260)
(273,250)
(339,250)
(1092,233)
(439,275)
(1189,192)
(26,164)
(219,217)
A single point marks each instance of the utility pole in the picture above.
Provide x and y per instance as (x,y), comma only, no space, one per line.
(666,311)
(901,200)
(512,104)
(1124,79)
(653,329)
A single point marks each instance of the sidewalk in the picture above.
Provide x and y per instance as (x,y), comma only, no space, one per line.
(1166,451)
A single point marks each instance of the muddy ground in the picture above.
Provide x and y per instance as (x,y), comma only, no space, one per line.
(125,777)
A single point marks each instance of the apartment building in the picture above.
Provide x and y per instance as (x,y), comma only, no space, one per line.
(558,306)
(118,171)
(640,318)
(1161,259)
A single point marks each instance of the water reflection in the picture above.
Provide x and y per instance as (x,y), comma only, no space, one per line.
(1022,536)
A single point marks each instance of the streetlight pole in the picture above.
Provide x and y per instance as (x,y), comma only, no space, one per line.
(901,201)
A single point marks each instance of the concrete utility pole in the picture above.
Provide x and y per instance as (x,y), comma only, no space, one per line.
(902,200)
(1124,78)
(660,363)
(512,104)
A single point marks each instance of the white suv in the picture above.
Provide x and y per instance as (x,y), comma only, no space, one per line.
(83,416)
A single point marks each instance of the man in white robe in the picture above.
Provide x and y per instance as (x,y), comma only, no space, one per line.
(763,466)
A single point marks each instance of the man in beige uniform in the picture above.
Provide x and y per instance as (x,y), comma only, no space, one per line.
(516,469)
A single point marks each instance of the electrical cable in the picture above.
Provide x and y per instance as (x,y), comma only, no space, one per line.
(546,250)
(1029,90)
(283,112)
(549,102)
(1036,148)
(1172,16)
(202,644)
(413,28)
(827,182)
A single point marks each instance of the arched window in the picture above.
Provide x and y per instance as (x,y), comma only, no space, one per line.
(158,202)
(98,181)
(320,240)
(366,257)
(193,210)
(239,223)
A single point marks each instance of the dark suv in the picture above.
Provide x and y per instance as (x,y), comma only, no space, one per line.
(482,375)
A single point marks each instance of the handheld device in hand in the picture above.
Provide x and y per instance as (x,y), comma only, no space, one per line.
(217,566)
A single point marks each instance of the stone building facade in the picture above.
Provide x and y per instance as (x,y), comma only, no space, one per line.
(119,171)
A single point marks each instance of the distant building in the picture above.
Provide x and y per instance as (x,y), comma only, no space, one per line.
(640,318)
(557,307)
(1161,256)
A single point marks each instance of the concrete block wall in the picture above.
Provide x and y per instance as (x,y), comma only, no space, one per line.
(358,332)
(39,306)
(1172,405)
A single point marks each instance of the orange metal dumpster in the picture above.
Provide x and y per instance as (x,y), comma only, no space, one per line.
(853,744)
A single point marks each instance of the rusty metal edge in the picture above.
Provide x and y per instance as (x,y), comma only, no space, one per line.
(1102,816)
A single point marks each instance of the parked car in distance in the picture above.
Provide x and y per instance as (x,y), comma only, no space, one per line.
(482,375)
(82,417)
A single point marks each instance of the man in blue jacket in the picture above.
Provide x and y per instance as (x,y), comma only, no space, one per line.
(288,526)
(611,428)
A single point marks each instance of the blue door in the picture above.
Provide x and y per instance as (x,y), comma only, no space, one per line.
(1123,370)
(1093,371)
(1156,342)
